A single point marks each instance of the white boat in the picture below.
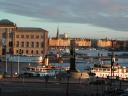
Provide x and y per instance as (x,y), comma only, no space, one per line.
(41,71)
(22,58)
(104,71)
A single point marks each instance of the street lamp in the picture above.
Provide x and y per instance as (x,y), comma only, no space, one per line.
(6,65)
(19,53)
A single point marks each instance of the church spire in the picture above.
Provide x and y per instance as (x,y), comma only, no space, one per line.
(57,34)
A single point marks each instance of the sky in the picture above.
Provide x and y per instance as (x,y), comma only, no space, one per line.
(78,18)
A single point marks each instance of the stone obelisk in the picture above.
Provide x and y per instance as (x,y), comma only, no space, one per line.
(74,73)
(72,56)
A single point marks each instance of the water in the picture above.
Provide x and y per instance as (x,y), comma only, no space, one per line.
(81,66)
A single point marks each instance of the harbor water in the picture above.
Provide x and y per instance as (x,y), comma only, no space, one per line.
(81,65)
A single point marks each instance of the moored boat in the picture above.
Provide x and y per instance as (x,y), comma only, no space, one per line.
(41,71)
(45,69)
(105,71)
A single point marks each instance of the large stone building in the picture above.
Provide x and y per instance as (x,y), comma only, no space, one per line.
(104,43)
(22,40)
(82,43)
(59,43)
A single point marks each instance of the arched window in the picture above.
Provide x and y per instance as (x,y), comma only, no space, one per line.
(17,43)
(37,44)
(22,44)
(31,51)
(26,51)
(27,44)
(37,52)
(42,44)
(32,44)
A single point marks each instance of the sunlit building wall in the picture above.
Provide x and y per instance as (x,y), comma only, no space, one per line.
(104,43)
(84,43)
(59,43)
(22,40)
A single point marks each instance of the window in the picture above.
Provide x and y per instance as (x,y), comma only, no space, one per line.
(4,35)
(22,36)
(10,44)
(17,36)
(26,51)
(11,35)
(27,44)
(32,36)
(27,36)
(37,44)
(37,36)
(42,44)
(32,44)
(17,51)
(17,44)
(31,51)
(104,69)
(22,44)
(42,51)
(36,51)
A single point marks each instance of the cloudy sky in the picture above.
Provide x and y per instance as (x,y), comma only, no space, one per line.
(77,18)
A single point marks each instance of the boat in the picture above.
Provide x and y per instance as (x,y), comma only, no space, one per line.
(105,71)
(111,71)
(42,70)
(22,58)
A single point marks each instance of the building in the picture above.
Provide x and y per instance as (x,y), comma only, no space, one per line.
(104,43)
(59,43)
(82,43)
(22,40)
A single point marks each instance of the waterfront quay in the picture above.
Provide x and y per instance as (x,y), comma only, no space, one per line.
(55,87)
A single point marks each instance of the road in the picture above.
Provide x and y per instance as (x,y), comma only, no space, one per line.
(39,87)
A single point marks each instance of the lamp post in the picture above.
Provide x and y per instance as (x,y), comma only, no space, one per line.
(11,68)
(18,65)
(6,65)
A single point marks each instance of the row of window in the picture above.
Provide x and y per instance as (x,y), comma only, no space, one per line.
(120,75)
(108,69)
(30,44)
(30,36)
(29,52)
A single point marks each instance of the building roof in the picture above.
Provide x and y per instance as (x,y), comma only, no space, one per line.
(30,29)
(6,23)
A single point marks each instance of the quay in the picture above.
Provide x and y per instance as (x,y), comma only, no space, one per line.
(53,87)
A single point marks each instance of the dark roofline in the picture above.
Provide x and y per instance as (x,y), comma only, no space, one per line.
(6,23)
(30,29)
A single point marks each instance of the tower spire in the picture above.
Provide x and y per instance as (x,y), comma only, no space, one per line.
(57,34)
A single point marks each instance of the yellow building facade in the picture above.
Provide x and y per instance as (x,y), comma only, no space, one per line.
(59,43)
(104,43)
(83,43)
(65,43)
(22,40)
